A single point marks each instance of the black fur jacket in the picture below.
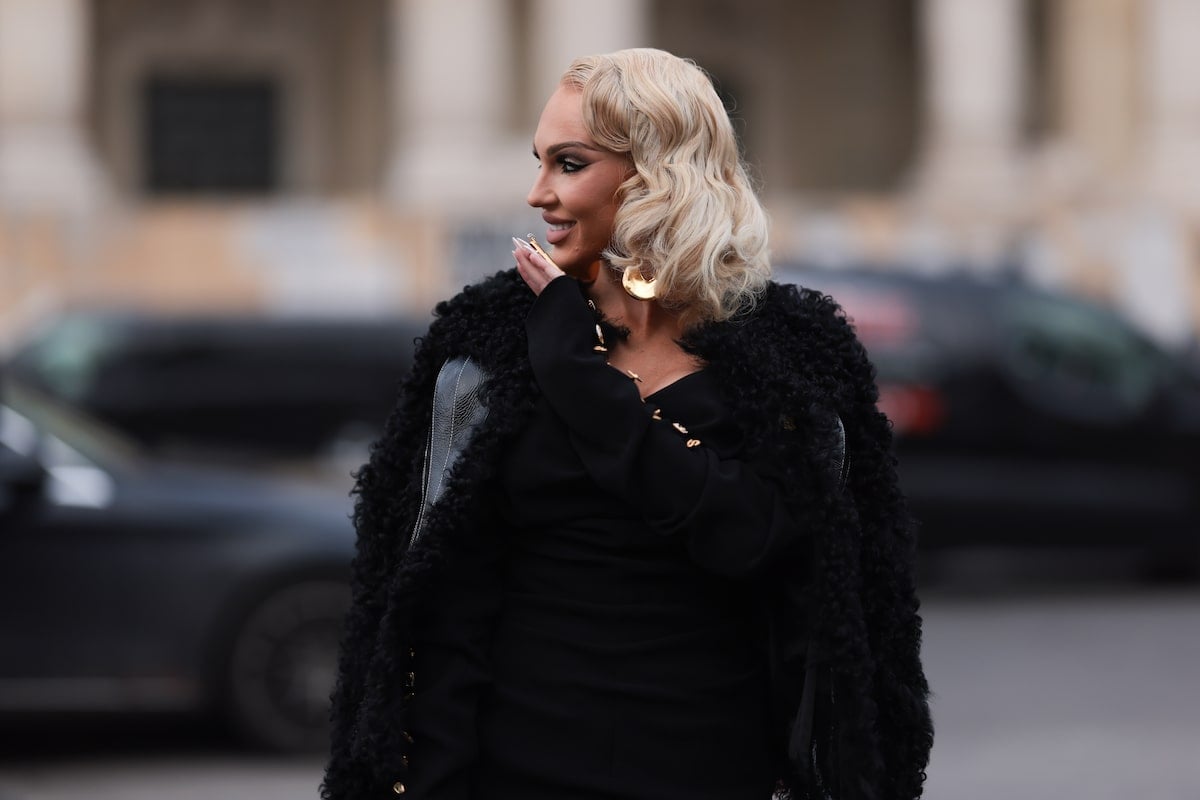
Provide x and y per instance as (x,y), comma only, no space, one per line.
(849,692)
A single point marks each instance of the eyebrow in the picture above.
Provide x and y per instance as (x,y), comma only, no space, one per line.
(554,148)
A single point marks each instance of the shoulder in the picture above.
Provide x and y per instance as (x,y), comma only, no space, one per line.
(809,331)
(790,302)
(495,297)
(786,320)
(480,315)
(814,318)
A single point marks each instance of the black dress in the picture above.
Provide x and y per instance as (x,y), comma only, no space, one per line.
(605,645)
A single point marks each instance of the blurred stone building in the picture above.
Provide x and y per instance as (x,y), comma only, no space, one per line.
(369,156)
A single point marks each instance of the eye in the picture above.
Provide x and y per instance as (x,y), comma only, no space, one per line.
(568,164)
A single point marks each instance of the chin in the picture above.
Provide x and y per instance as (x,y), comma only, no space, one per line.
(585,273)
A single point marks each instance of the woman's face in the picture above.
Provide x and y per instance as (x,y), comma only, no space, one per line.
(576,184)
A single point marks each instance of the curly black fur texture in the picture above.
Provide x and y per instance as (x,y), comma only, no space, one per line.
(848,605)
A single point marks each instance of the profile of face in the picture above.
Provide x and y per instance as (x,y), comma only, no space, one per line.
(576,185)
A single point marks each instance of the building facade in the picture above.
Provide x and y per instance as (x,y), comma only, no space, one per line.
(369,156)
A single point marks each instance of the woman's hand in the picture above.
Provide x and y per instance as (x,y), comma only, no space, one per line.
(536,271)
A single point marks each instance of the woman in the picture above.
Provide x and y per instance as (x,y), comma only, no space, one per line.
(654,548)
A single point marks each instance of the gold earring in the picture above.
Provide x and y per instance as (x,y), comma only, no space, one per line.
(636,285)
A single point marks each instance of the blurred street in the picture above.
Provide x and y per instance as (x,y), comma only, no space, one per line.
(1047,687)
(1064,692)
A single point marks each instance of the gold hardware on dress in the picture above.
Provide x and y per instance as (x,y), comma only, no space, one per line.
(691,442)
(600,348)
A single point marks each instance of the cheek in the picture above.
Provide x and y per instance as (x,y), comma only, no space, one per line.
(600,223)
(609,214)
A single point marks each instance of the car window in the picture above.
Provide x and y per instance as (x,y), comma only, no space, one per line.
(74,479)
(85,438)
(1079,360)
(65,357)
(17,432)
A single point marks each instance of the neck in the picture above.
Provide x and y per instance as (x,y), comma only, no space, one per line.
(645,319)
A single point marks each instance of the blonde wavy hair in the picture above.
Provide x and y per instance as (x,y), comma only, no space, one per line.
(688,216)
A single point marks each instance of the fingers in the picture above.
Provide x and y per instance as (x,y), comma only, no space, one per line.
(535,270)
(528,271)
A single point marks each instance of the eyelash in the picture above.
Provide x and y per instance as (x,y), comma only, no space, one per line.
(565,163)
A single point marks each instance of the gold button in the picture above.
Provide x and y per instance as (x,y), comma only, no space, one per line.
(398,788)
(404,761)
(408,737)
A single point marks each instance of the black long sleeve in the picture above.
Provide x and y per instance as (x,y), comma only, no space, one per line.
(734,518)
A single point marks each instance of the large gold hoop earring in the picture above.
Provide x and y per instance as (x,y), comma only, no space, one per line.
(637,286)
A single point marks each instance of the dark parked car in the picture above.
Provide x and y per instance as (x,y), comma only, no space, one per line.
(245,388)
(136,585)
(1026,417)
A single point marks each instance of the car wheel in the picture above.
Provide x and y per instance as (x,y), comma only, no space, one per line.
(282,665)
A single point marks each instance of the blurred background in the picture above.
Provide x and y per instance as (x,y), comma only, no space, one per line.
(223,222)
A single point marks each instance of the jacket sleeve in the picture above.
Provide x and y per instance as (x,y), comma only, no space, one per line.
(451,643)
(733,516)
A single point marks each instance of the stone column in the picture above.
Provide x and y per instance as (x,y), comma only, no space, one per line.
(1094,70)
(1172,93)
(452,76)
(1156,254)
(46,162)
(469,78)
(973,86)
(563,30)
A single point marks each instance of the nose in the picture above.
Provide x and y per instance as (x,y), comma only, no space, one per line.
(539,195)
